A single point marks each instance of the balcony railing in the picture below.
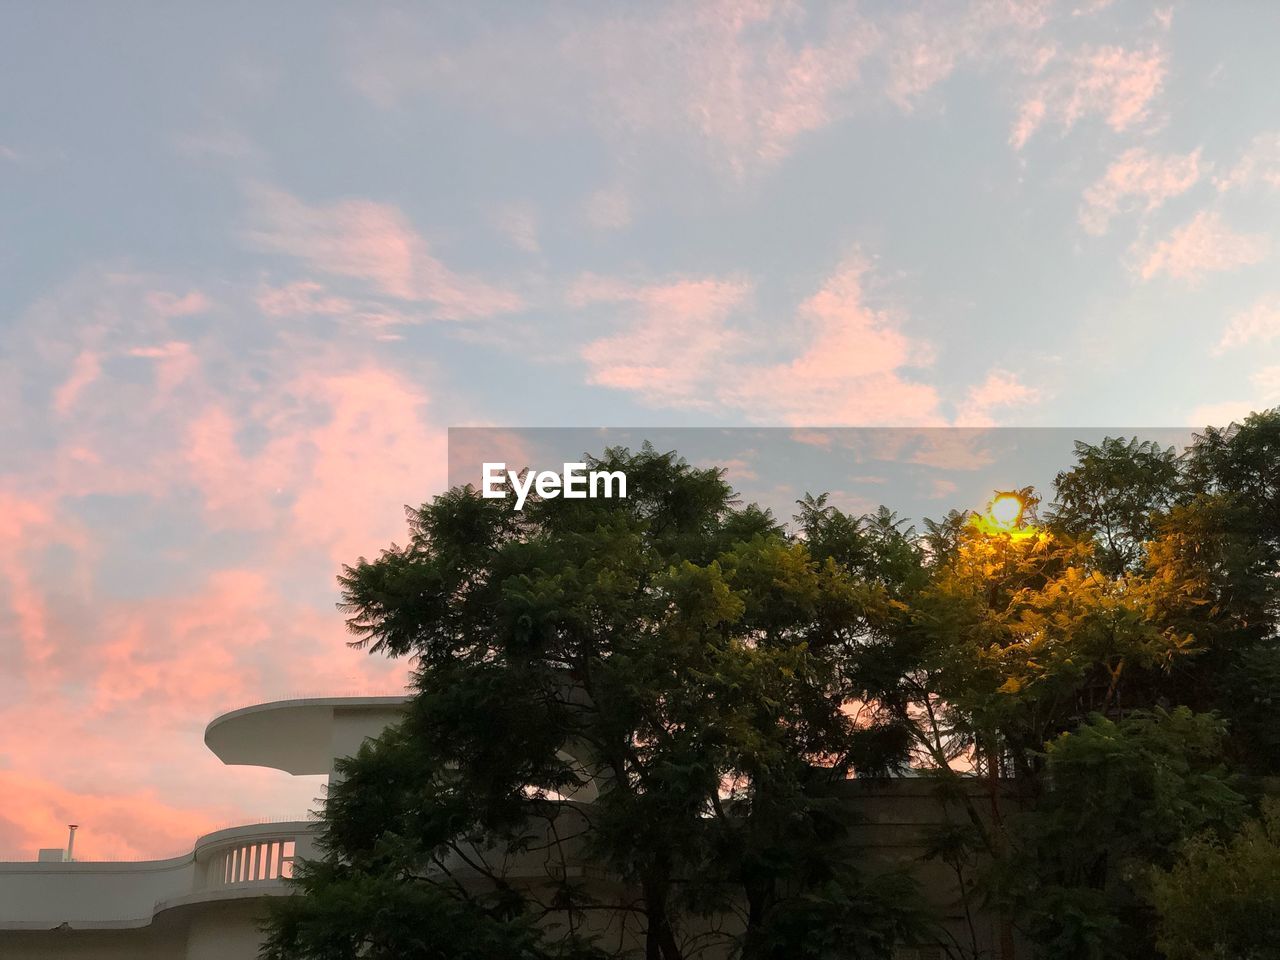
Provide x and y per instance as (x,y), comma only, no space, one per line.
(270,859)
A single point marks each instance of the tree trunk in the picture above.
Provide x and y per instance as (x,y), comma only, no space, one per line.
(659,939)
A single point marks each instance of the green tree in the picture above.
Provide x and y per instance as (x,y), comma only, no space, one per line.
(636,716)
(1221,900)
(1118,797)
(1204,527)
(1113,495)
(675,659)
(1151,583)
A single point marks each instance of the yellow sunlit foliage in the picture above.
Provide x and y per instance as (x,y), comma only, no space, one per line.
(1026,629)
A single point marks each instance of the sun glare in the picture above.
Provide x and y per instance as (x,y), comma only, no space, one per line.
(1005,511)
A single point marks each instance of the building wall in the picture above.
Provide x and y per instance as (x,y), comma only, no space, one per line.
(208,904)
(183,909)
(228,931)
(145,944)
(53,893)
(205,905)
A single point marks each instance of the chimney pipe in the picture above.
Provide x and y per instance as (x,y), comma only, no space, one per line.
(71,841)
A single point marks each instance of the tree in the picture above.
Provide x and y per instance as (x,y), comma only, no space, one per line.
(632,719)
(1052,657)
(1119,797)
(1113,495)
(675,659)
(1021,637)
(1221,900)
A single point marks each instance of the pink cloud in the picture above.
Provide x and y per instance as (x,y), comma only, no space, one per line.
(678,330)
(1001,389)
(608,208)
(303,298)
(23,524)
(740,84)
(171,305)
(319,413)
(919,60)
(123,824)
(940,487)
(951,449)
(300,451)
(848,369)
(374,454)
(172,662)
(923,48)
(822,439)
(940,447)
(1203,245)
(1259,165)
(519,224)
(190,650)
(477,444)
(1267,384)
(312,480)
(1030,115)
(238,491)
(175,363)
(749,93)
(844,367)
(1113,83)
(375,244)
(308,299)
(1139,180)
(86,369)
(32,620)
(1258,324)
(1266,395)
(1091,7)
(738,469)
(1221,413)
(165,664)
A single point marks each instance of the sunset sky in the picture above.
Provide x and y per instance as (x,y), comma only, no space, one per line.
(256,258)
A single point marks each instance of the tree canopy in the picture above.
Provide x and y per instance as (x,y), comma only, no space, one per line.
(634,722)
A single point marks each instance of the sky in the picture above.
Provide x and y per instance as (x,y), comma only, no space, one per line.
(255,259)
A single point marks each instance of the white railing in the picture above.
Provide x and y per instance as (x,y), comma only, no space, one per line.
(268,859)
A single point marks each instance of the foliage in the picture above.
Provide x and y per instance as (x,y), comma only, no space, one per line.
(1118,797)
(1113,493)
(1221,900)
(665,695)
(674,652)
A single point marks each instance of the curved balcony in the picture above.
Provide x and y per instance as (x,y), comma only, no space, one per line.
(253,860)
(300,736)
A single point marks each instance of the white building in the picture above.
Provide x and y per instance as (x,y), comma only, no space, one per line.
(206,904)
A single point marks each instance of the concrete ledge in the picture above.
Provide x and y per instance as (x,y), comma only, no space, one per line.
(296,736)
